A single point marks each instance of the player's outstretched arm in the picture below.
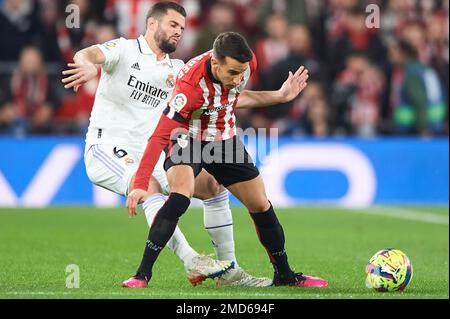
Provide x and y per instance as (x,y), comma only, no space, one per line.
(155,145)
(290,89)
(84,67)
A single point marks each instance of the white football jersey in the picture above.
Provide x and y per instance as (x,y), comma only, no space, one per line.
(133,91)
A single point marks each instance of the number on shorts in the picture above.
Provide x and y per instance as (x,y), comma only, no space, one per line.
(119,153)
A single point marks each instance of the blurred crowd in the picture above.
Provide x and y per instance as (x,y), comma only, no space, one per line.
(369,77)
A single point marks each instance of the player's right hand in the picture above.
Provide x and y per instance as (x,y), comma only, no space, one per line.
(78,75)
(133,199)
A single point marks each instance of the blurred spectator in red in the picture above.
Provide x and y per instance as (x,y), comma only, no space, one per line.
(220,19)
(128,15)
(355,37)
(294,10)
(336,16)
(48,36)
(32,97)
(300,53)
(310,113)
(193,22)
(328,21)
(415,34)
(273,48)
(7,112)
(246,17)
(427,9)
(397,15)
(438,37)
(418,105)
(332,31)
(18,25)
(357,96)
(73,39)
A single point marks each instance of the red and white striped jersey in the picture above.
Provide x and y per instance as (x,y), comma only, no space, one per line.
(199,103)
(205,103)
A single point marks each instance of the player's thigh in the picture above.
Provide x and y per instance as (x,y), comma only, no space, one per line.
(206,186)
(252,194)
(111,167)
(238,173)
(181,166)
(231,163)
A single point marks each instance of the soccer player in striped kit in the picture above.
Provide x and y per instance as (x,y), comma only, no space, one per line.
(136,82)
(199,116)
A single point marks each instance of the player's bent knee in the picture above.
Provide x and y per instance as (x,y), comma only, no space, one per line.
(185,188)
(206,186)
(212,188)
(259,206)
(183,191)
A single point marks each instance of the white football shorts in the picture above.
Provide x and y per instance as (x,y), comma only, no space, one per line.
(112,167)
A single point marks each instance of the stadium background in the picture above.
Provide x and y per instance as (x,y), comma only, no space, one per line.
(351,176)
(352,101)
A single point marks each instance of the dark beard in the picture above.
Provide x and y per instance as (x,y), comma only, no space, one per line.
(163,42)
(166,46)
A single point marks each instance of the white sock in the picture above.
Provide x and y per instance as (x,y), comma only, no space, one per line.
(177,243)
(218,223)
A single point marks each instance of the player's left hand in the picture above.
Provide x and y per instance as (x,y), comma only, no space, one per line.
(294,84)
(133,199)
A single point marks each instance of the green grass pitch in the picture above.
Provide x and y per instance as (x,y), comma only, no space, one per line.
(36,245)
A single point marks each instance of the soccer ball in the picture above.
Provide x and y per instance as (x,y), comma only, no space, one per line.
(389,270)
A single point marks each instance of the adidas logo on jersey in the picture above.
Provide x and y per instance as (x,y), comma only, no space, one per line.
(136,66)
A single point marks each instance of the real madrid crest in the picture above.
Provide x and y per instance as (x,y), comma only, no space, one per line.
(129,161)
(170,81)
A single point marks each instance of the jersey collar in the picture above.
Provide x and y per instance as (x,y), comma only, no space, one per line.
(145,49)
(209,72)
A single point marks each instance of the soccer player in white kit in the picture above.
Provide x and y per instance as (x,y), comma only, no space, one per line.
(136,81)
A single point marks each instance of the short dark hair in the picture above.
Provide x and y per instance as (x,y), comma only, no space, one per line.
(358,54)
(233,45)
(407,49)
(357,10)
(160,9)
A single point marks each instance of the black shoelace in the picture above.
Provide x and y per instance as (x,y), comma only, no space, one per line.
(299,277)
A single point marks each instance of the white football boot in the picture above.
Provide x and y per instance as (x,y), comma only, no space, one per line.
(238,277)
(204,267)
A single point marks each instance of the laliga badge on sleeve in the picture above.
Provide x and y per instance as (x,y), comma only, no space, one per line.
(178,102)
(110,44)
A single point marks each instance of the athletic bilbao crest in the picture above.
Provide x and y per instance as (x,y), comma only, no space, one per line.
(183,141)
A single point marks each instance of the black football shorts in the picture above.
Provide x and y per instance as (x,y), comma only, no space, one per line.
(228,161)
